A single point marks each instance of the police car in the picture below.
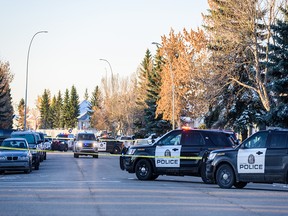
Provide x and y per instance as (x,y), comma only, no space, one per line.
(178,152)
(261,158)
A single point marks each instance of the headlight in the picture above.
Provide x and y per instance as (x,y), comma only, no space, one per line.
(130,151)
(23,158)
(212,156)
(2,158)
(95,145)
(79,144)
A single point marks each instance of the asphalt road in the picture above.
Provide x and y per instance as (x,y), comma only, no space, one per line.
(70,186)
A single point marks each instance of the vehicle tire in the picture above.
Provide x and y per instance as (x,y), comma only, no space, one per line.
(143,170)
(37,164)
(116,150)
(30,166)
(95,156)
(154,177)
(203,174)
(225,176)
(76,155)
(240,185)
(121,163)
(45,156)
(65,148)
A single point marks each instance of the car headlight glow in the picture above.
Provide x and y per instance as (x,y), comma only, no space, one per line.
(212,156)
(79,144)
(130,151)
(23,157)
(2,158)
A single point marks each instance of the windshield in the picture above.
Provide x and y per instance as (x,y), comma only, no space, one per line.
(86,137)
(12,145)
(29,137)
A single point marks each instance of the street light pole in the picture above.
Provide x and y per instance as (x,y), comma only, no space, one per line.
(26,88)
(173,85)
(112,81)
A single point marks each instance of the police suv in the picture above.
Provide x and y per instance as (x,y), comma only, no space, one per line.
(178,152)
(261,158)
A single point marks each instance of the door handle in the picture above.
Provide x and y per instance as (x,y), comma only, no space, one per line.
(175,149)
(259,153)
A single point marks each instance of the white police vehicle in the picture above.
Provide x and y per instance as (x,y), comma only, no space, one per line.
(261,158)
(179,152)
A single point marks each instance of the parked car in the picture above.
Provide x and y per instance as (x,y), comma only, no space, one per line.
(47,143)
(178,152)
(109,144)
(42,146)
(33,141)
(127,140)
(15,155)
(85,144)
(60,143)
(262,158)
(138,142)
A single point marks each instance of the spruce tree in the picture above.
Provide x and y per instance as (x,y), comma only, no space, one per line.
(65,110)
(86,95)
(153,123)
(144,73)
(95,106)
(45,110)
(278,73)
(236,93)
(58,111)
(74,108)
(52,112)
(6,108)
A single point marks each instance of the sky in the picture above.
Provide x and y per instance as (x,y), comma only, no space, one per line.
(80,33)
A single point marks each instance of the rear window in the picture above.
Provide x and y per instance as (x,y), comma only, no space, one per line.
(30,138)
(278,140)
(219,139)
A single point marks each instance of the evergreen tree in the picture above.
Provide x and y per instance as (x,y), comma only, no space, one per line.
(238,90)
(65,110)
(144,72)
(6,108)
(45,110)
(52,112)
(86,95)
(74,108)
(153,123)
(95,108)
(21,114)
(278,73)
(96,98)
(58,114)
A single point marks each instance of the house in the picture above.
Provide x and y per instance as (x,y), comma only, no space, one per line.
(84,115)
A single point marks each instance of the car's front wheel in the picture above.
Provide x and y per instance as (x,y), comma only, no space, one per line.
(116,150)
(225,177)
(143,170)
